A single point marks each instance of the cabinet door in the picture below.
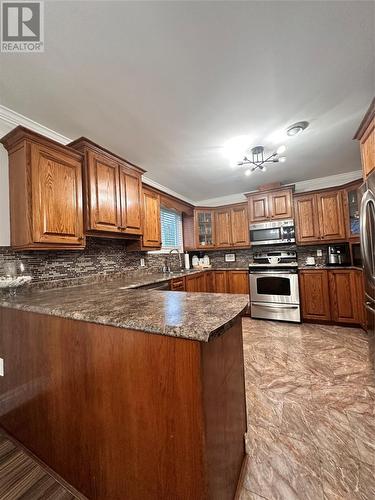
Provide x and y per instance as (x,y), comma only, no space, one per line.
(56,197)
(204,228)
(223,228)
(220,281)
(280,204)
(368,150)
(344,297)
(351,206)
(306,219)
(151,219)
(258,207)
(238,282)
(209,281)
(331,215)
(131,205)
(104,193)
(240,226)
(315,295)
(201,283)
(191,283)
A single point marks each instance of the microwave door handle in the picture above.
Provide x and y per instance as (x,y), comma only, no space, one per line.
(368,202)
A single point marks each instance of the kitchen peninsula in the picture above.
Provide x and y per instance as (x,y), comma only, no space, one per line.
(128,393)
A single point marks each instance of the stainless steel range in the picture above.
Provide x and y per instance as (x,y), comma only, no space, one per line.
(274,290)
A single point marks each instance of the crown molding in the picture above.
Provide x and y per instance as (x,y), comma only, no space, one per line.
(327,182)
(12,118)
(300,187)
(166,190)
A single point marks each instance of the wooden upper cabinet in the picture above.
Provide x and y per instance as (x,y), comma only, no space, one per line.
(320,216)
(240,225)
(204,227)
(306,218)
(331,215)
(258,207)
(223,233)
(368,151)
(103,189)
(269,205)
(280,204)
(151,219)
(131,200)
(45,181)
(112,192)
(314,291)
(366,135)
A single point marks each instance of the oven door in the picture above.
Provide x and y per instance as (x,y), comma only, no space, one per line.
(277,287)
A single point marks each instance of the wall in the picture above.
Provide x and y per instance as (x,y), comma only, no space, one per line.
(100,258)
(243,257)
(4,189)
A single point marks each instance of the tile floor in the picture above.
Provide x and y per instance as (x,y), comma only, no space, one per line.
(311,412)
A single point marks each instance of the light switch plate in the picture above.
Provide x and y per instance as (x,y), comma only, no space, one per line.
(319,253)
(143,262)
(1,367)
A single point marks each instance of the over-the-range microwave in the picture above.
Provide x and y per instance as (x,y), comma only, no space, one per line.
(271,233)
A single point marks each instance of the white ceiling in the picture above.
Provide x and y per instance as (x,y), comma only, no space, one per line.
(166,84)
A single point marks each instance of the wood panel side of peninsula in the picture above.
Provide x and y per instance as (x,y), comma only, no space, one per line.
(125,414)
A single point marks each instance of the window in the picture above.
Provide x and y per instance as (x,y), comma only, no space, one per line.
(171,230)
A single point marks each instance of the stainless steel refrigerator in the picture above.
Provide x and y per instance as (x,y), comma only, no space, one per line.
(367,219)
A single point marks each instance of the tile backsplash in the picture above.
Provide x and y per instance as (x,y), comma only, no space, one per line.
(103,257)
(100,257)
(243,257)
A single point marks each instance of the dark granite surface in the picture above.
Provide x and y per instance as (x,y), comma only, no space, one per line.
(197,316)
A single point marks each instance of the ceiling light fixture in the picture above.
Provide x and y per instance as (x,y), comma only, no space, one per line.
(296,128)
(258,160)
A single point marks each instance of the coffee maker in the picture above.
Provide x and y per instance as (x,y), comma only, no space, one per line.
(338,255)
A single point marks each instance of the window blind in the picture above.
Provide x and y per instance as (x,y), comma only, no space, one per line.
(171,229)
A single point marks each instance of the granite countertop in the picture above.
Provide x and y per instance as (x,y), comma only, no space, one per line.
(324,266)
(196,316)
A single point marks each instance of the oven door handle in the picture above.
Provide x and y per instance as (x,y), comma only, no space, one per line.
(270,306)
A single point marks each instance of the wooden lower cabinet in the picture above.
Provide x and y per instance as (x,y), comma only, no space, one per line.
(238,282)
(342,285)
(332,295)
(123,414)
(220,282)
(177,284)
(314,293)
(216,282)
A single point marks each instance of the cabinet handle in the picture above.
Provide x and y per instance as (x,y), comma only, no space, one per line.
(121,227)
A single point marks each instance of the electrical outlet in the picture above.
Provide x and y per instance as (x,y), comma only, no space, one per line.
(143,262)
(1,367)
(319,253)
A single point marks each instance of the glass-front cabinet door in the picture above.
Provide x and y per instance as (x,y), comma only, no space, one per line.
(353,204)
(204,228)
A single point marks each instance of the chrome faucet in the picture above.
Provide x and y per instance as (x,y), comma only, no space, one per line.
(179,256)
